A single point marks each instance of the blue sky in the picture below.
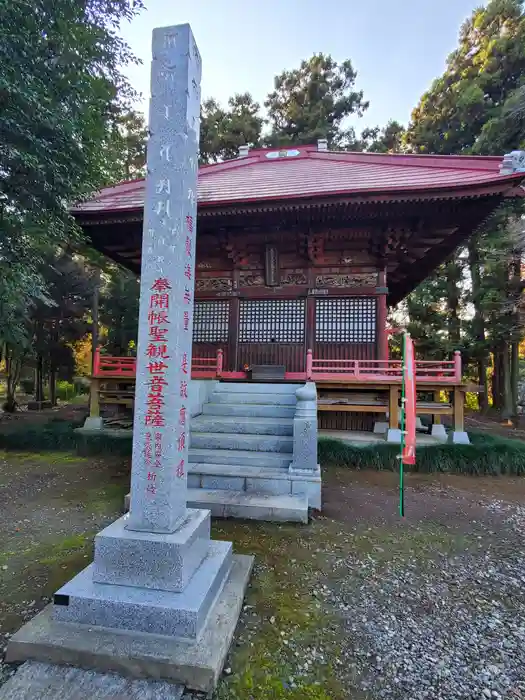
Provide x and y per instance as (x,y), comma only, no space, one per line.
(396,46)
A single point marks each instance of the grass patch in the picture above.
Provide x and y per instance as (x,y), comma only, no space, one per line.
(283,623)
(488,455)
(69,547)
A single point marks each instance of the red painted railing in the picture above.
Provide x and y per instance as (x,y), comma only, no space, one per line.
(429,371)
(447,371)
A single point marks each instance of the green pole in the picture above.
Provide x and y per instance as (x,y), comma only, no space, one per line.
(401,474)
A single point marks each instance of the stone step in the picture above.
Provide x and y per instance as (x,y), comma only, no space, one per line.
(235,441)
(270,399)
(273,460)
(247,410)
(276,482)
(252,506)
(245,425)
(257,388)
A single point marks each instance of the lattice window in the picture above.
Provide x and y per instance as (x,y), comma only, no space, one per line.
(345,320)
(211,321)
(272,321)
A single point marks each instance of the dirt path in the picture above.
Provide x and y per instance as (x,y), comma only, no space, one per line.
(51,505)
(358,605)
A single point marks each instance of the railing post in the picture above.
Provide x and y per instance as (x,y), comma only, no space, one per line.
(356,369)
(96,362)
(220,360)
(457,366)
(309,365)
(304,464)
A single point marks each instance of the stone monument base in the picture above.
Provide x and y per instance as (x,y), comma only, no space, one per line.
(195,663)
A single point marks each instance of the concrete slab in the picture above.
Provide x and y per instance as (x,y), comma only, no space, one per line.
(39,681)
(196,665)
(361,438)
(182,615)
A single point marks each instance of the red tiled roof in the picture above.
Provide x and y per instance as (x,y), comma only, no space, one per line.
(270,174)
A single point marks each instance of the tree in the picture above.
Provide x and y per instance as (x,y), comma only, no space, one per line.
(127,152)
(119,310)
(465,109)
(312,102)
(478,106)
(61,319)
(62,91)
(389,139)
(223,131)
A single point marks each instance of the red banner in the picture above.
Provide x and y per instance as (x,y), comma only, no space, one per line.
(409,380)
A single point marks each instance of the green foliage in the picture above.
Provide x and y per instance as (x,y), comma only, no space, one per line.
(389,139)
(62,91)
(224,130)
(127,146)
(487,455)
(60,435)
(312,101)
(119,311)
(472,106)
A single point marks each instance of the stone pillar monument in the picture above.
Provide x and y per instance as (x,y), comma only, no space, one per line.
(156,571)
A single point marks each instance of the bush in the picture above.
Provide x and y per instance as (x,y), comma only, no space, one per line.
(487,455)
(65,391)
(58,435)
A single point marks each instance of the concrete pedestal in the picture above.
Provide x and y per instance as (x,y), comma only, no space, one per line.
(439,432)
(458,437)
(195,663)
(93,424)
(394,436)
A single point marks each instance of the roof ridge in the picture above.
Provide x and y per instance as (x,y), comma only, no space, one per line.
(441,162)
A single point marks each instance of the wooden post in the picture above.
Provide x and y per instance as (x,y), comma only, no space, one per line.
(393,407)
(382,312)
(94,398)
(309,365)
(220,359)
(459,409)
(436,419)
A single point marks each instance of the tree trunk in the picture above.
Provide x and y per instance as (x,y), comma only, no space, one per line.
(514,375)
(478,323)
(506,412)
(453,272)
(497,393)
(13,366)
(53,385)
(39,378)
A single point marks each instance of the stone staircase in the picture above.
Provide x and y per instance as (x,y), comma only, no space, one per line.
(241,447)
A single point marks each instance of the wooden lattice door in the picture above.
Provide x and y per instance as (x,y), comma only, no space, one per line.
(211,324)
(346,328)
(272,332)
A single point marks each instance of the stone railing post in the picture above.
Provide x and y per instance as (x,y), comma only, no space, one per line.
(305,431)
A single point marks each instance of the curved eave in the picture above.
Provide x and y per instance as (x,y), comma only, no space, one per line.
(508,186)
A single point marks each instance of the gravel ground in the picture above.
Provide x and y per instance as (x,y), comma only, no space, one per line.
(438,611)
